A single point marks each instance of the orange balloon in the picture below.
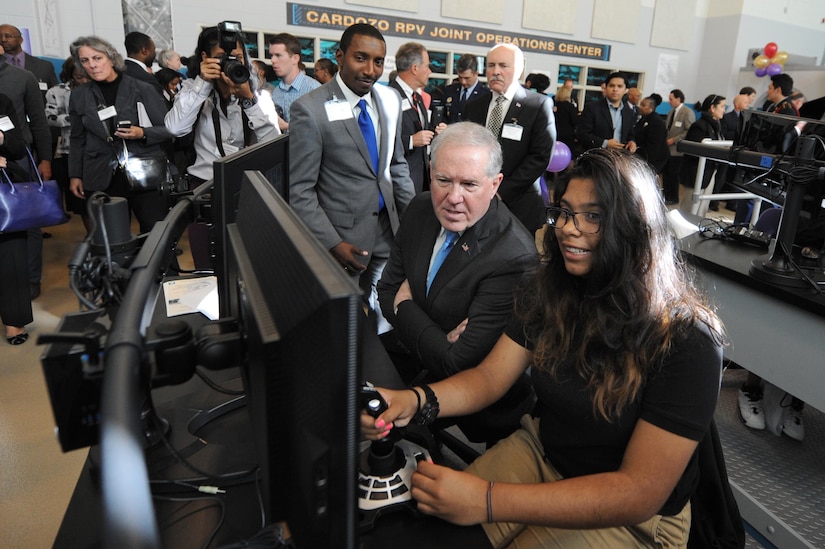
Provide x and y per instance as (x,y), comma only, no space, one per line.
(761,62)
(780,57)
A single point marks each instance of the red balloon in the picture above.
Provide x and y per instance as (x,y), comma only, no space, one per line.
(770,49)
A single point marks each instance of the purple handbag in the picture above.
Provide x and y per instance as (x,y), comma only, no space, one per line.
(29,205)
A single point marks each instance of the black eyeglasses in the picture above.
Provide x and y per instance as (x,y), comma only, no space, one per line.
(588,223)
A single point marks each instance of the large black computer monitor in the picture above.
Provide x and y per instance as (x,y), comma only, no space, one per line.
(271,158)
(300,314)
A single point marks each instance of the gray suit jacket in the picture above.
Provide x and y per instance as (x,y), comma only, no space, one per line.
(679,128)
(332,184)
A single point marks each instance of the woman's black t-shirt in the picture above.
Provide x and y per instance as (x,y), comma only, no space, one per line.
(679,396)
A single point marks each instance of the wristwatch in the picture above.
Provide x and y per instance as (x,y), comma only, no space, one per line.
(248,102)
(429,409)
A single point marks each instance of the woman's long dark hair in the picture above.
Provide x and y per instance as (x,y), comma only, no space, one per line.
(618,322)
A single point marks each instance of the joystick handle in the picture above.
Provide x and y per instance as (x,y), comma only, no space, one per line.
(372,400)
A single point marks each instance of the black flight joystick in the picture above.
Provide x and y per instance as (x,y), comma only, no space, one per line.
(385,467)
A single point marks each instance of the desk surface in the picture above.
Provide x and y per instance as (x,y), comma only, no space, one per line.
(225,446)
(773,331)
(732,260)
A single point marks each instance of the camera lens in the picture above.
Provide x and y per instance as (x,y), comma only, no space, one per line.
(235,70)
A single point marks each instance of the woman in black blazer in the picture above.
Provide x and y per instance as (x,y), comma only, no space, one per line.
(15,295)
(567,118)
(707,126)
(97,112)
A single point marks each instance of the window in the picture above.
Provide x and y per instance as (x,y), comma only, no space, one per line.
(587,81)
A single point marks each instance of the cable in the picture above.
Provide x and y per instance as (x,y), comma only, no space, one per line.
(216,502)
(214,386)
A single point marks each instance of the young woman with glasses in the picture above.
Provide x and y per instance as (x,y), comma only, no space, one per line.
(625,358)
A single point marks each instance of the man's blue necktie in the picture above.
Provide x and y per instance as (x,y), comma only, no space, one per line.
(368,131)
(442,254)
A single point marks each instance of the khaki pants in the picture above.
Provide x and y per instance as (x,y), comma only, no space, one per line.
(520,459)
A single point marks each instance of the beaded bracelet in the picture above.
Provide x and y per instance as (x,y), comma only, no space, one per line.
(490,502)
(418,398)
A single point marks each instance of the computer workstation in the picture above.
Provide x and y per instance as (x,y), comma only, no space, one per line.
(771,298)
(781,160)
(290,353)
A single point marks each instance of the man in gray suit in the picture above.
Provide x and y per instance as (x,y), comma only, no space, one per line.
(678,121)
(350,194)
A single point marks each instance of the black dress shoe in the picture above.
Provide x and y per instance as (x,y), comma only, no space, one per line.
(19,339)
(34,288)
(713,206)
(671,202)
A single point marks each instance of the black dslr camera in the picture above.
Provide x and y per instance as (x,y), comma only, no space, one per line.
(229,34)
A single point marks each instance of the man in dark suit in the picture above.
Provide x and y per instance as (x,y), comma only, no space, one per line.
(730,121)
(525,127)
(349,201)
(466,89)
(449,316)
(413,65)
(140,55)
(12,41)
(608,123)
(651,136)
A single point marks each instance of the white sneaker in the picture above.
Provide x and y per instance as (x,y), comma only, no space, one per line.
(792,425)
(750,410)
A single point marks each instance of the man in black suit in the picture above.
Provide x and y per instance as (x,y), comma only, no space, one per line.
(651,136)
(448,316)
(525,126)
(140,55)
(466,89)
(413,65)
(12,41)
(608,123)
(730,121)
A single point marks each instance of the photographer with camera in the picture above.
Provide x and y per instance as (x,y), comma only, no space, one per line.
(221,105)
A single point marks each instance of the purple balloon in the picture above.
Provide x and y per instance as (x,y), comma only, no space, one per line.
(560,159)
(760,72)
(774,69)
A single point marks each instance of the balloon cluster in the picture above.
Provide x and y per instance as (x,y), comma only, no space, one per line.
(770,61)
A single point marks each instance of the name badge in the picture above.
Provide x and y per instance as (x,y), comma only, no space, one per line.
(338,110)
(43,86)
(227,148)
(6,124)
(107,113)
(512,132)
(405,104)
(677,124)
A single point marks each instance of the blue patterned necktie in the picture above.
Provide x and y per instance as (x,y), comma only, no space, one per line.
(368,131)
(442,254)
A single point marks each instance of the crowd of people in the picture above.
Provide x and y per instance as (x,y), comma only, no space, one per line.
(436,220)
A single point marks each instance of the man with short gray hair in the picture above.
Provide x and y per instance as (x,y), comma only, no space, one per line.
(448,286)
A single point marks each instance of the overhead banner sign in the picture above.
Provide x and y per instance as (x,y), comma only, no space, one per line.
(331,18)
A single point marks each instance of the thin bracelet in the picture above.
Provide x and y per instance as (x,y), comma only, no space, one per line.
(418,398)
(490,502)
